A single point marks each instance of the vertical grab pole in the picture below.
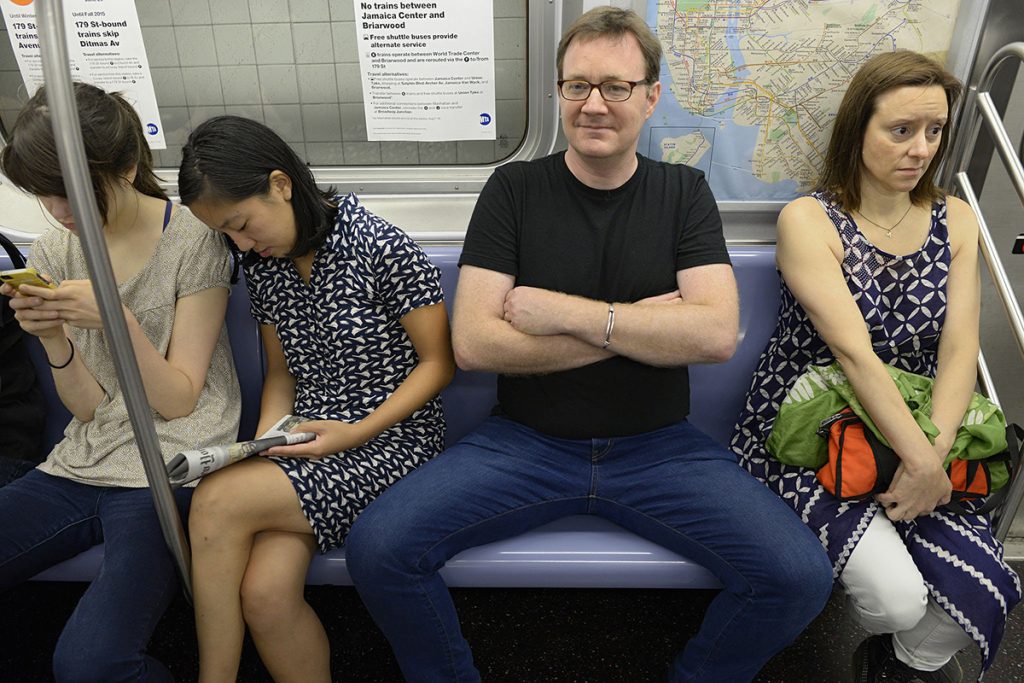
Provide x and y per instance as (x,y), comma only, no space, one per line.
(68,135)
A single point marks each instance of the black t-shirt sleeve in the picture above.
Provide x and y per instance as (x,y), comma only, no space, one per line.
(492,237)
(701,241)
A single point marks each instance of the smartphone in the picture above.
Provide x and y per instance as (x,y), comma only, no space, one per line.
(24,276)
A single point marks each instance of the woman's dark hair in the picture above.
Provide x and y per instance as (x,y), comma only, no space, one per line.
(877,76)
(113,139)
(230,158)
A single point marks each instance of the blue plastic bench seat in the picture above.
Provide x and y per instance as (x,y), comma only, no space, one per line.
(579,551)
(582,551)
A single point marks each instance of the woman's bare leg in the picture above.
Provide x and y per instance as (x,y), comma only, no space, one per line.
(288,634)
(230,507)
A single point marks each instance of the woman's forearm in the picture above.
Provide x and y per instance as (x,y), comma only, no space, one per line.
(426,380)
(79,391)
(882,400)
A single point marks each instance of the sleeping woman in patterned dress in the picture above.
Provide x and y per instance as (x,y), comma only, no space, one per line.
(879,267)
(356,340)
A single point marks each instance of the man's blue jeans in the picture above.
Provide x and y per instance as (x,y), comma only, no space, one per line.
(46,519)
(674,486)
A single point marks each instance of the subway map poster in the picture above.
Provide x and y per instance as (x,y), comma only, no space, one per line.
(750,87)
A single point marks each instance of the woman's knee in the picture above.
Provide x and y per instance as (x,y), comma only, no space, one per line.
(890,607)
(885,587)
(215,507)
(887,596)
(265,602)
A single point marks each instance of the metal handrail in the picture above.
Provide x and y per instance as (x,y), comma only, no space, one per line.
(979,109)
(1002,283)
(68,135)
(978,106)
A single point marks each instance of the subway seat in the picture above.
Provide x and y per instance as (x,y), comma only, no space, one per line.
(580,551)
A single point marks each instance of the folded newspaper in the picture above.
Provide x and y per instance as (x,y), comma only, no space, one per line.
(190,465)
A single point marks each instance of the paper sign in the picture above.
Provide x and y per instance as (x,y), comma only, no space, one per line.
(427,69)
(104,48)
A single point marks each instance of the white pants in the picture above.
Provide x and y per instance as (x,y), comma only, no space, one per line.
(888,595)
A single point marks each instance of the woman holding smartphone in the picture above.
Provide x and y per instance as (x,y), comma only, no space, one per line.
(356,339)
(173,279)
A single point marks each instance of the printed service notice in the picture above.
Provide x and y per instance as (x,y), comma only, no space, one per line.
(427,69)
(104,48)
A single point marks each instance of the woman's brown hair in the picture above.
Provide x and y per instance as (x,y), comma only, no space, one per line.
(877,76)
(113,139)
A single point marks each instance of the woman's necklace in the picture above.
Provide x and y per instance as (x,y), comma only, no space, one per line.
(888,231)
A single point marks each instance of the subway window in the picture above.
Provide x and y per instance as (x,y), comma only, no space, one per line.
(295,67)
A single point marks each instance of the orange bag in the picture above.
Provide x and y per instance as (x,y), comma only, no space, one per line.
(859,465)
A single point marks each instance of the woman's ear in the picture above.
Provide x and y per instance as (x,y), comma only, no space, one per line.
(132,173)
(281,183)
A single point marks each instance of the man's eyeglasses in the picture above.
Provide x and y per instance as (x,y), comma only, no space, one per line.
(611,91)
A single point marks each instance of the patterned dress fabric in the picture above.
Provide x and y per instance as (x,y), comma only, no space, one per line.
(348,352)
(903,301)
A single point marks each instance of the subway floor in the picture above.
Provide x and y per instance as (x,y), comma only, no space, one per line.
(547,635)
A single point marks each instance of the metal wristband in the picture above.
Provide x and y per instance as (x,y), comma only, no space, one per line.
(611,326)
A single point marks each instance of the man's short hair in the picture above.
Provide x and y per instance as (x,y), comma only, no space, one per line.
(614,22)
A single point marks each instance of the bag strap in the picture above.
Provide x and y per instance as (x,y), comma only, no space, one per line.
(17,260)
(1014,436)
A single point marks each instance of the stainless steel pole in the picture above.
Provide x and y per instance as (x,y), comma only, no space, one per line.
(990,254)
(68,135)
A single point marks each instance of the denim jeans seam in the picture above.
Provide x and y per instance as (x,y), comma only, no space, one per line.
(419,560)
(739,610)
(449,652)
(669,528)
(47,539)
(714,648)
(604,453)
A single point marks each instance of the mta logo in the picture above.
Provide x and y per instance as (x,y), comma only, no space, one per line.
(151,128)
(485,119)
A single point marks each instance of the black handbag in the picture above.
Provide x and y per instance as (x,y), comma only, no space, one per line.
(22,408)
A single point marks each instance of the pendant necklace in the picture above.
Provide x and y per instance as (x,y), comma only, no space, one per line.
(888,231)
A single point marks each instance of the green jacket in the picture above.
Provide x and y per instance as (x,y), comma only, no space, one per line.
(823,391)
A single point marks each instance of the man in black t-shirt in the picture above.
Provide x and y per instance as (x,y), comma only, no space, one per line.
(590,280)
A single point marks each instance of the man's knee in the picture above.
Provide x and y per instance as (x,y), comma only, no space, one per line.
(802,574)
(377,543)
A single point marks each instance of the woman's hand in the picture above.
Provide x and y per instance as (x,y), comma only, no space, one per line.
(917,488)
(30,314)
(73,301)
(332,436)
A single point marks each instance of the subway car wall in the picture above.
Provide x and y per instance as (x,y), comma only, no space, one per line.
(748,96)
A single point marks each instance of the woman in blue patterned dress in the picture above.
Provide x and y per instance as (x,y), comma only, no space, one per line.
(878,267)
(356,339)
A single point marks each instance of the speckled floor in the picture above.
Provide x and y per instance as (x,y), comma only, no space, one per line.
(517,635)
